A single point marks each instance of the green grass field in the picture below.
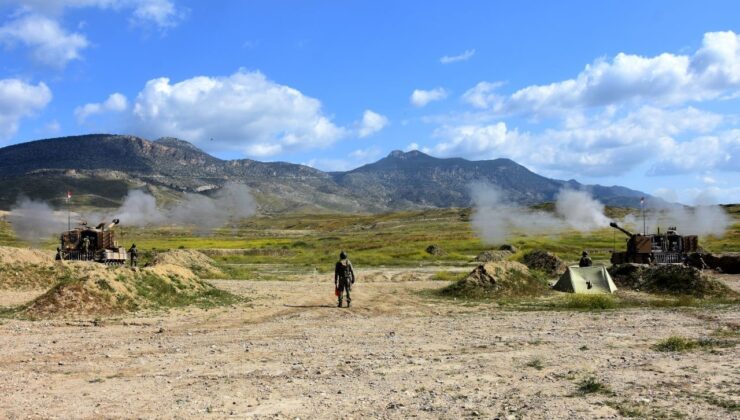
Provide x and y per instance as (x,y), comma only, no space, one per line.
(392,239)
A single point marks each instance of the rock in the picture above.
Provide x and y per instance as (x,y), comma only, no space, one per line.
(507,247)
(434,250)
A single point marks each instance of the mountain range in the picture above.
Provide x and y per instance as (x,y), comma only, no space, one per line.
(101,168)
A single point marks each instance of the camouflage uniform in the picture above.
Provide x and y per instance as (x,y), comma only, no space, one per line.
(85,248)
(134,255)
(585,260)
(344,277)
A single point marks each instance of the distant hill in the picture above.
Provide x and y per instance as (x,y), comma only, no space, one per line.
(101,168)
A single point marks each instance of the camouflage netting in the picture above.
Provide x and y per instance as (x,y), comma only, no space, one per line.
(673,279)
(492,256)
(545,261)
(726,263)
(503,278)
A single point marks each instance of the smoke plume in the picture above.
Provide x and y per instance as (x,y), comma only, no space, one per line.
(703,219)
(496,217)
(34,221)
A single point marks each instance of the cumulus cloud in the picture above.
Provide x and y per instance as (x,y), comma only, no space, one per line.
(116,102)
(600,145)
(371,123)
(420,98)
(467,55)
(19,99)
(162,13)
(483,96)
(244,112)
(49,43)
(712,71)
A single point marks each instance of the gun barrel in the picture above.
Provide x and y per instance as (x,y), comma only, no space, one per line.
(113,223)
(625,231)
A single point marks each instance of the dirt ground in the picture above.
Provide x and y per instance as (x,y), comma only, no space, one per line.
(397,353)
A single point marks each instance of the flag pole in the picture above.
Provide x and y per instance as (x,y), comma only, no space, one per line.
(69,217)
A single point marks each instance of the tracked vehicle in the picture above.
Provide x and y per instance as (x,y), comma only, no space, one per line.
(100,242)
(660,248)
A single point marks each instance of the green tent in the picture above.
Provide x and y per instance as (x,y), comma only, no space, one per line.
(592,280)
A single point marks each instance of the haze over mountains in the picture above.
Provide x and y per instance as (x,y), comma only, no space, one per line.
(100,169)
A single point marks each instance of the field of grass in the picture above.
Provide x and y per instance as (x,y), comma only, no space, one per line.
(392,239)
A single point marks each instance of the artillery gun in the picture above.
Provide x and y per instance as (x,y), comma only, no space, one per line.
(101,244)
(666,248)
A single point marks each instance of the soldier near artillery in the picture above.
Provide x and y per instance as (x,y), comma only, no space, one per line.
(85,248)
(344,278)
(134,255)
(585,260)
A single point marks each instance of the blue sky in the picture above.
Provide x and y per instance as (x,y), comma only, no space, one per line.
(641,94)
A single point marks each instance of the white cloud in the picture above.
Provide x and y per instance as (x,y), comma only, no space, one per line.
(19,99)
(372,122)
(162,13)
(711,72)
(50,44)
(482,96)
(467,55)
(718,152)
(244,111)
(116,102)
(421,98)
(601,145)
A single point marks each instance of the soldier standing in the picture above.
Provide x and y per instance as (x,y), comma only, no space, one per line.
(344,278)
(86,248)
(134,255)
(585,260)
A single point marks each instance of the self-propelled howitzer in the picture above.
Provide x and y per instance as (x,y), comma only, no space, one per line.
(666,248)
(93,244)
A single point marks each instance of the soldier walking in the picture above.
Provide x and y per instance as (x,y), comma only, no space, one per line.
(344,278)
(133,254)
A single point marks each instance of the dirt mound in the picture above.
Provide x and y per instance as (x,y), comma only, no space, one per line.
(12,255)
(197,262)
(728,263)
(492,256)
(673,279)
(545,261)
(499,279)
(85,288)
(29,276)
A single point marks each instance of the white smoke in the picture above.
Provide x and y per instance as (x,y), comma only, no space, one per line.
(230,203)
(35,221)
(495,217)
(703,218)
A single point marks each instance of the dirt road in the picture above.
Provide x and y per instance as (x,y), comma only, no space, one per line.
(396,353)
